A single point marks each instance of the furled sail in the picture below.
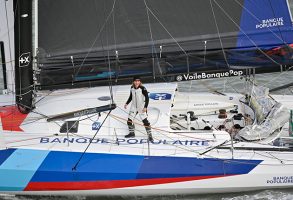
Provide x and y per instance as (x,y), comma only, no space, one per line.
(270,116)
(274,122)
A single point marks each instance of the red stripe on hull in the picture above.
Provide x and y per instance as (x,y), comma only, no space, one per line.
(97,185)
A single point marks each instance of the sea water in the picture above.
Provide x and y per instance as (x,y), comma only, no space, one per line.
(232,84)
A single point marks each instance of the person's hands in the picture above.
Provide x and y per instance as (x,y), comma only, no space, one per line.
(144,110)
(125,106)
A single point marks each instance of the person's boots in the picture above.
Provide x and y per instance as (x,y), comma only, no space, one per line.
(148,130)
(150,137)
(130,135)
(130,128)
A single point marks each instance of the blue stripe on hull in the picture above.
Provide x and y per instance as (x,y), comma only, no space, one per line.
(27,166)
(170,167)
(5,154)
(18,169)
(57,167)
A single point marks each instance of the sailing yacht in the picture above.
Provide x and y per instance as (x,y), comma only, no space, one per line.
(63,123)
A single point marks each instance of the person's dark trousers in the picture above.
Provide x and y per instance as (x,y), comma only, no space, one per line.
(148,129)
(130,128)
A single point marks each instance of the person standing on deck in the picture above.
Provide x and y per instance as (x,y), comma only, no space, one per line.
(140,100)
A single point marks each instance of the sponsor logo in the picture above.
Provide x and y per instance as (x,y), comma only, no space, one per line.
(96,126)
(160,96)
(24,59)
(204,75)
(272,22)
(121,141)
(280,180)
(206,104)
(85,112)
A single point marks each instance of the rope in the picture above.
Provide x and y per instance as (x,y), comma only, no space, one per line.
(218,31)
(282,38)
(216,158)
(270,58)
(7,24)
(75,166)
(167,30)
(185,149)
(152,39)
(3,63)
(154,128)
(34,138)
(259,20)
(96,38)
(274,79)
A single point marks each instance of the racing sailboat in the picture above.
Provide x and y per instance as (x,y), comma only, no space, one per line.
(64,133)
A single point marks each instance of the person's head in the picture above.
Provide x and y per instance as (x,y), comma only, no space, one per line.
(136,81)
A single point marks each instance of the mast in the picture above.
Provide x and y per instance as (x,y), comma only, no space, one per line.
(23,54)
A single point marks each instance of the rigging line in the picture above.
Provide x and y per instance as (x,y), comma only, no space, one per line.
(117,67)
(34,138)
(271,157)
(20,95)
(151,35)
(274,79)
(16,59)
(110,74)
(96,38)
(39,113)
(167,31)
(114,142)
(208,156)
(194,151)
(290,89)
(290,49)
(155,128)
(43,97)
(7,24)
(188,149)
(209,87)
(270,58)
(9,44)
(75,166)
(114,31)
(110,79)
(11,61)
(275,17)
(187,56)
(109,61)
(12,74)
(214,147)
(218,31)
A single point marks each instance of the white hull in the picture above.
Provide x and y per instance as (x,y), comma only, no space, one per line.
(204,161)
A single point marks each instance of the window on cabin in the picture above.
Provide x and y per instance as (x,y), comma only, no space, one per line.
(69,127)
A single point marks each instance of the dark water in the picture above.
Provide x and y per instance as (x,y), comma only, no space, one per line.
(234,84)
(259,195)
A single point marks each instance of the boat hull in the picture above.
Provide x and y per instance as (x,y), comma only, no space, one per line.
(27,171)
